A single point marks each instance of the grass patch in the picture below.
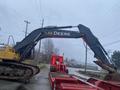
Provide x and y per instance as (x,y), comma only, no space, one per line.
(99,75)
(41,66)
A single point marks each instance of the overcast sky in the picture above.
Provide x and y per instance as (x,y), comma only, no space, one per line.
(101,16)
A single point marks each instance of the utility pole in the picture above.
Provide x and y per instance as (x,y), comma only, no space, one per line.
(42,23)
(40,39)
(86,50)
(39,48)
(26,30)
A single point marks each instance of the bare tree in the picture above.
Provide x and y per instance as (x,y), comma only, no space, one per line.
(56,51)
(48,49)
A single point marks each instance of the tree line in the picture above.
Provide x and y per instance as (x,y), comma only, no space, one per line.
(116,58)
(48,49)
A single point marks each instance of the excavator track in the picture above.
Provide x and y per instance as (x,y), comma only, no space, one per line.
(17,71)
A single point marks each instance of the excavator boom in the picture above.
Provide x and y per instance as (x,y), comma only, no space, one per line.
(28,43)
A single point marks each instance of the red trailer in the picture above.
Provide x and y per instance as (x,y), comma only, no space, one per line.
(106,85)
(61,80)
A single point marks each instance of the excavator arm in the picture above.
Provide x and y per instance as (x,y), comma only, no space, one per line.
(28,43)
(103,59)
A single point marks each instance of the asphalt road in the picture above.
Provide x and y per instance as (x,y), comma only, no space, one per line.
(39,82)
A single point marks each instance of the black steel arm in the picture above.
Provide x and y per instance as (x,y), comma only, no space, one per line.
(103,59)
(28,43)
(94,44)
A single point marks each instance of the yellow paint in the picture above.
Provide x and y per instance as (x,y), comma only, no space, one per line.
(8,53)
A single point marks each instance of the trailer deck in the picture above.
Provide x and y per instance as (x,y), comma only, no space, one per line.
(60,79)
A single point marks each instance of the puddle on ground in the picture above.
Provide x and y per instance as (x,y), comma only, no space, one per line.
(21,87)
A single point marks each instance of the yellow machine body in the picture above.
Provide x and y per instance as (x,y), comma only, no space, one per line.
(8,53)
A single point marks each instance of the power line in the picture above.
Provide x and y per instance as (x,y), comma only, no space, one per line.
(105,45)
(112,43)
(112,34)
(16,12)
(39,7)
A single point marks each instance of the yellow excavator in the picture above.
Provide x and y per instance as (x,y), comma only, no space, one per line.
(12,67)
(8,53)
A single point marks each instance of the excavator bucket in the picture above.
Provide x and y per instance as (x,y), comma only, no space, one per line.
(104,66)
(112,75)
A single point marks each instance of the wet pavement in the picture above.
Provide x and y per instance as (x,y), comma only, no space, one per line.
(39,82)
(74,71)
